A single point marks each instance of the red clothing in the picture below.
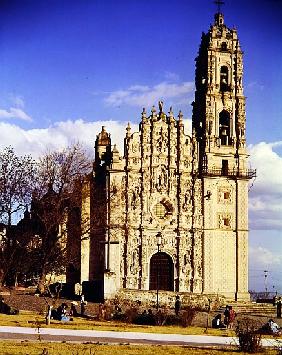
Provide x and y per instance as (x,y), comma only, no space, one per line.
(232,315)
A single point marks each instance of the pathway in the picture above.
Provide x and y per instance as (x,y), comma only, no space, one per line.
(72,335)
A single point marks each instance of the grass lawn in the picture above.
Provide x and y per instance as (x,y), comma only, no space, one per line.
(28,319)
(29,348)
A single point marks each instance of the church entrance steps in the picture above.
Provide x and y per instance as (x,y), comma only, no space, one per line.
(262,309)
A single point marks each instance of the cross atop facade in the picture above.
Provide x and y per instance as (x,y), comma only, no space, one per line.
(219,3)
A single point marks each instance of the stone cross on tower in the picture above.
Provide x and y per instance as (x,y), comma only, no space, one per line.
(219,3)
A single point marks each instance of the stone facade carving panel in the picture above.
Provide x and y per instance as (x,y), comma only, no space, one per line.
(225,195)
(225,221)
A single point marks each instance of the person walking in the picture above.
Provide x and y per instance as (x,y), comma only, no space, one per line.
(226,315)
(177,305)
(232,316)
(278,308)
(82,306)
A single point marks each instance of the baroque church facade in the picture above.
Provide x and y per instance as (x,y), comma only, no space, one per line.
(171,211)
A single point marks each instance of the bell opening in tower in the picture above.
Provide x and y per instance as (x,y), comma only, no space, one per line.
(224,128)
(224,79)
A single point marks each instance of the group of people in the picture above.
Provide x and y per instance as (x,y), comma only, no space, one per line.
(229,317)
(228,321)
(63,314)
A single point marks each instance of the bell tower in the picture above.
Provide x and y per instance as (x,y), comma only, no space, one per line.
(219,125)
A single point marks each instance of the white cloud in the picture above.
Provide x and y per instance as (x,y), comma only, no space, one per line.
(170,76)
(139,95)
(265,203)
(264,257)
(254,86)
(61,134)
(14,113)
(265,269)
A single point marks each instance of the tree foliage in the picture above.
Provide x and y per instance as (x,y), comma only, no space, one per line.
(60,175)
(17,177)
(17,181)
(51,187)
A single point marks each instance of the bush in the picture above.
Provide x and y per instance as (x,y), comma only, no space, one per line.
(145,319)
(130,315)
(248,336)
(187,316)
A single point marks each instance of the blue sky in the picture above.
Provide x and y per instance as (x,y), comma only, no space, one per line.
(66,67)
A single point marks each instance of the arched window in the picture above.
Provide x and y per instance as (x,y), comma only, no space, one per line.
(224,79)
(224,127)
(161,272)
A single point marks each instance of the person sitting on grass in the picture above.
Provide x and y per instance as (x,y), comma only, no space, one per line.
(274,327)
(64,316)
(217,322)
(270,328)
(61,313)
(73,310)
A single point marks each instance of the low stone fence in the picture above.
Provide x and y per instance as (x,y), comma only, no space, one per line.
(167,298)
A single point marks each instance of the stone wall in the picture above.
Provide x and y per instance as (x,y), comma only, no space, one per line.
(148,299)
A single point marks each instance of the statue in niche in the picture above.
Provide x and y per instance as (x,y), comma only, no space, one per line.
(159,144)
(162,179)
(134,200)
(209,128)
(186,202)
(134,147)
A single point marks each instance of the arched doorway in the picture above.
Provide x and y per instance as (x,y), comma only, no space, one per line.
(161,272)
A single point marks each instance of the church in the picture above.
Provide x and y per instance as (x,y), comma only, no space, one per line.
(170,212)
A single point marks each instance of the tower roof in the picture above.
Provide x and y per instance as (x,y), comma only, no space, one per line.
(103,138)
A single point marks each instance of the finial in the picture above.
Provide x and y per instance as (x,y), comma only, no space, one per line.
(219,3)
(161,104)
(103,138)
(170,114)
(128,129)
(153,111)
(115,154)
(180,117)
(115,150)
(144,114)
(218,17)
